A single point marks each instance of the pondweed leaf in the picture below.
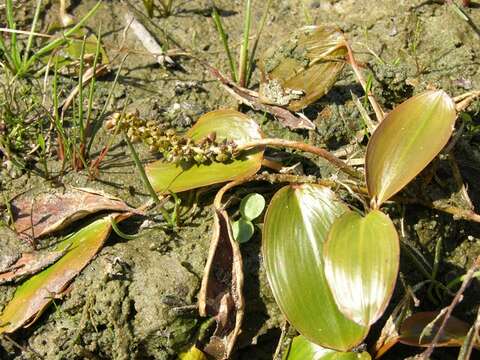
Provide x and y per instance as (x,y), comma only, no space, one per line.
(297,222)
(413,330)
(362,257)
(406,141)
(226,124)
(302,349)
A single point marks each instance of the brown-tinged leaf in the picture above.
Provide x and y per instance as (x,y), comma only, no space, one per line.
(406,141)
(29,263)
(303,68)
(39,215)
(420,329)
(222,284)
(35,294)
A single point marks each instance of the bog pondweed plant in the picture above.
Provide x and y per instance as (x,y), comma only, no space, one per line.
(173,147)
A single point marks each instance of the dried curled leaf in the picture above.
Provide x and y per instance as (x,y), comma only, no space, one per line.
(39,215)
(221,293)
(303,68)
(420,329)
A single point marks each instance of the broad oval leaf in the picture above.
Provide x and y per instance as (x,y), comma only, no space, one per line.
(302,349)
(227,124)
(420,329)
(362,257)
(36,293)
(242,230)
(406,141)
(296,225)
(252,206)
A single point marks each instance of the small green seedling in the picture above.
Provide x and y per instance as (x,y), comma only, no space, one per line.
(251,208)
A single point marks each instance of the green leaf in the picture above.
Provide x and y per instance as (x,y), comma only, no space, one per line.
(302,349)
(252,206)
(407,140)
(297,222)
(361,264)
(227,124)
(36,293)
(242,230)
(420,329)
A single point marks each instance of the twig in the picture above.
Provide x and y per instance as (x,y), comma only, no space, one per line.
(458,297)
(148,42)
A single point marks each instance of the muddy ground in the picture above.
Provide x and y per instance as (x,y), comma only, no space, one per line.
(131,301)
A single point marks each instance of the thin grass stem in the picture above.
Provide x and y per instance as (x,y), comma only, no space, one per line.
(141,170)
(256,41)
(243,61)
(223,36)
(32,31)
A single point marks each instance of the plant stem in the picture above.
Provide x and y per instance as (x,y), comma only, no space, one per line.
(141,170)
(243,61)
(223,36)
(81,124)
(91,91)
(32,30)
(303,147)
(256,41)
(14,53)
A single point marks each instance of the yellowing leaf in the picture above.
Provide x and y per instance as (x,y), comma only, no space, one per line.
(361,264)
(296,225)
(226,124)
(406,141)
